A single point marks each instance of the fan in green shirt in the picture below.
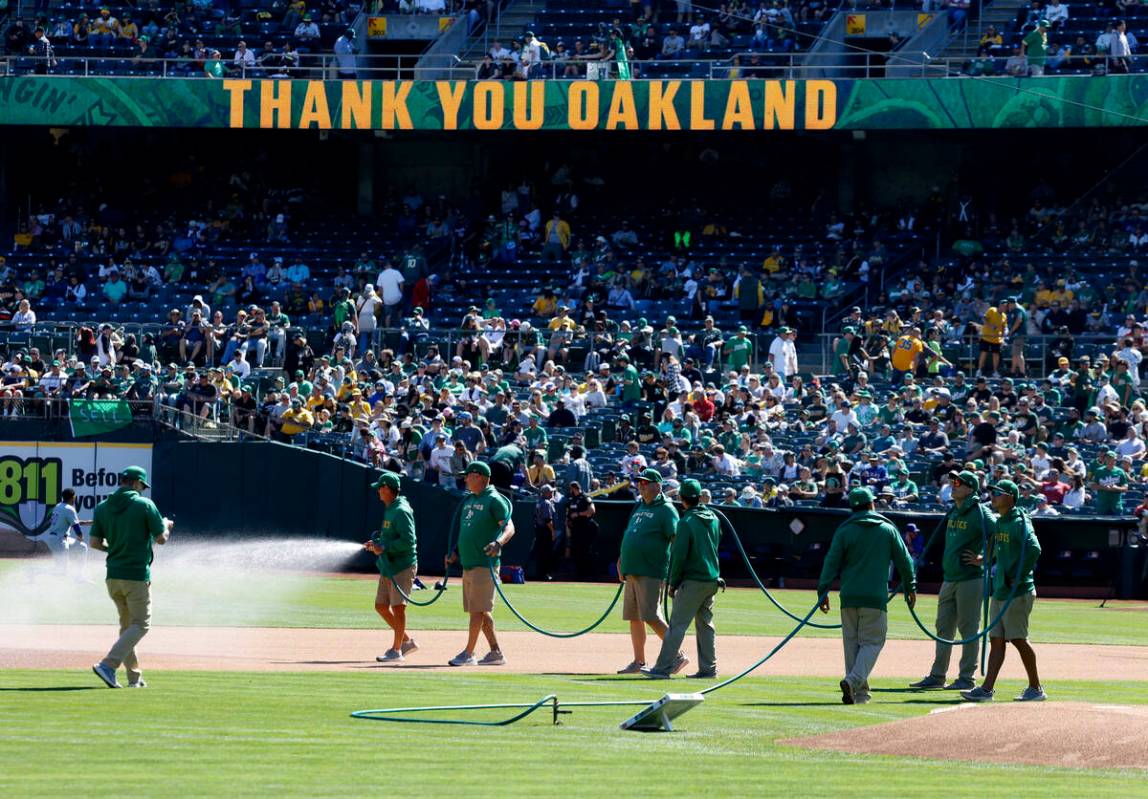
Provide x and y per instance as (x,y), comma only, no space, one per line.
(1036,46)
(739,349)
(1109,482)
(631,381)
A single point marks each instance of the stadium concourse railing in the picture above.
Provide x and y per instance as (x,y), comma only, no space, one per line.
(964,352)
(789,66)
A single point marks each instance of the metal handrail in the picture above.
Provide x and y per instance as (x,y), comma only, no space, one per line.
(789,66)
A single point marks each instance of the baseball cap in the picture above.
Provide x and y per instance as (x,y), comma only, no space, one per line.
(912,528)
(690,489)
(1006,487)
(859,497)
(651,475)
(967,478)
(477,467)
(135,473)
(388,479)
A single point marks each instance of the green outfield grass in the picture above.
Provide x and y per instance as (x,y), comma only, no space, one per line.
(297,600)
(289,734)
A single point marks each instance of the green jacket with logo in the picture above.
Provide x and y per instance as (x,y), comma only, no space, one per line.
(396,535)
(966,526)
(646,542)
(694,553)
(1008,534)
(861,550)
(128,523)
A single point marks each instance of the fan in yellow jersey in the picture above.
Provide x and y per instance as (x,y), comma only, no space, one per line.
(992,337)
(906,354)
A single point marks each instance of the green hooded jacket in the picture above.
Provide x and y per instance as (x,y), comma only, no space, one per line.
(694,553)
(861,550)
(397,537)
(128,523)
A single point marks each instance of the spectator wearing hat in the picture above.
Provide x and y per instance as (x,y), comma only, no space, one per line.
(694,579)
(783,353)
(906,357)
(642,567)
(485,527)
(581,531)
(862,549)
(1011,533)
(959,602)
(1035,48)
(396,545)
(545,533)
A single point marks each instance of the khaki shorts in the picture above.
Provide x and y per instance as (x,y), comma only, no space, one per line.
(387,594)
(641,599)
(477,590)
(1014,624)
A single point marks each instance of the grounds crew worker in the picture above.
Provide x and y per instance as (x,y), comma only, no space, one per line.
(124,526)
(397,547)
(961,595)
(481,537)
(861,550)
(694,580)
(642,567)
(1007,534)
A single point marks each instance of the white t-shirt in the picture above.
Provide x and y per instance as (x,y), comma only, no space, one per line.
(390,283)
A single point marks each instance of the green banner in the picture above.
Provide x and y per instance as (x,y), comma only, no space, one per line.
(700,105)
(95,417)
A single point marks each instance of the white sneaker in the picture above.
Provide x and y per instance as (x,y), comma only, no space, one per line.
(463,658)
(138,684)
(107,675)
(493,658)
(409,646)
(1032,695)
(978,694)
(391,656)
(634,667)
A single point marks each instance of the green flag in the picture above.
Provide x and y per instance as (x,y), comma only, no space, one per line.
(93,417)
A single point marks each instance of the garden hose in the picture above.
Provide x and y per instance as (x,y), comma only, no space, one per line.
(439,587)
(391,714)
(753,573)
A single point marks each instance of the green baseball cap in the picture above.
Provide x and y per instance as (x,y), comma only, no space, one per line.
(859,497)
(388,479)
(477,467)
(967,478)
(651,476)
(690,489)
(1006,487)
(135,473)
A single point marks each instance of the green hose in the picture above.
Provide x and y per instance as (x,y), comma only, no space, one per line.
(389,714)
(551,633)
(1004,609)
(753,573)
(439,587)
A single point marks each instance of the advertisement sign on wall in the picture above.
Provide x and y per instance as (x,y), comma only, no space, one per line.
(33,476)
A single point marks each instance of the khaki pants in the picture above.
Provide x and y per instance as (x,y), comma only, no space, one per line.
(133,601)
(958,608)
(863,633)
(693,602)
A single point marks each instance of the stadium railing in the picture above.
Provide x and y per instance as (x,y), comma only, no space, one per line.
(789,66)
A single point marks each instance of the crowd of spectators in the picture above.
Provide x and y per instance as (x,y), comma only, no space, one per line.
(357,359)
(1055,37)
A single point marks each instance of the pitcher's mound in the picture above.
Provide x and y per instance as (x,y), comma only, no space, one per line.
(1066,734)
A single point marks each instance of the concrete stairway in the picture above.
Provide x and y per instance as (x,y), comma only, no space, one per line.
(1000,15)
(515,18)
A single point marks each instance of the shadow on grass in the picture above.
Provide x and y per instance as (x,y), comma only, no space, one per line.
(56,688)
